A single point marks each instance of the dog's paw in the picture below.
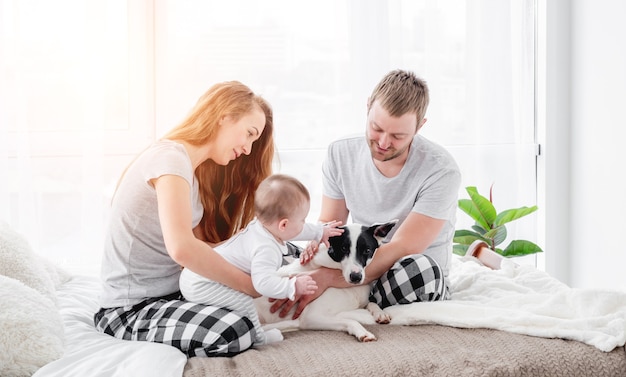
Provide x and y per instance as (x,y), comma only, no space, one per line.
(369,337)
(382,318)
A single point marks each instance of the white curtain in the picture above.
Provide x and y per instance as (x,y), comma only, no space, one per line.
(86,85)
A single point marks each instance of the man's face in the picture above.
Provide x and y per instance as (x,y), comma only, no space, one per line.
(389,137)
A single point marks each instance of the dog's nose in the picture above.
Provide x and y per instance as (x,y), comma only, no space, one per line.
(356,277)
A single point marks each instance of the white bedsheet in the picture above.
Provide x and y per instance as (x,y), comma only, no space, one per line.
(90,353)
(523,300)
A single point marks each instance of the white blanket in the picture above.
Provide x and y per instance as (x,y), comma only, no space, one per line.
(90,353)
(523,300)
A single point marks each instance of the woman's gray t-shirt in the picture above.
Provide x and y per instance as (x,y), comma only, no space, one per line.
(136,264)
(427,184)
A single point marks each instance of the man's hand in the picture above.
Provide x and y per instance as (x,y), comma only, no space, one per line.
(285,305)
(322,277)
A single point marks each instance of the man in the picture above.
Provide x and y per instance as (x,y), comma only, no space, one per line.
(393,173)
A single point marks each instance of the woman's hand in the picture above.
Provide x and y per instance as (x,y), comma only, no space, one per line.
(182,242)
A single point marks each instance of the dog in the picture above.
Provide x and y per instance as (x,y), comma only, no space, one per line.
(339,309)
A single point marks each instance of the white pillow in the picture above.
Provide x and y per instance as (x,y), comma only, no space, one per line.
(31,330)
(18,261)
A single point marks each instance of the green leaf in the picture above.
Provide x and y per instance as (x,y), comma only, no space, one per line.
(472,210)
(497,235)
(513,214)
(466,237)
(486,213)
(489,226)
(479,229)
(459,249)
(521,247)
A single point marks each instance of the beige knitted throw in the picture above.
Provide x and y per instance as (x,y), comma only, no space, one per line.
(426,350)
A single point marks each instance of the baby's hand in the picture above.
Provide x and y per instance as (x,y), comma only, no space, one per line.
(330,230)
(309,252)
(305,285)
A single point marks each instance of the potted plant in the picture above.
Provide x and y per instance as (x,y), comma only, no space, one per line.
(489,230)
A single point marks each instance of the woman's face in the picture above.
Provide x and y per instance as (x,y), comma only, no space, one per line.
(236,136)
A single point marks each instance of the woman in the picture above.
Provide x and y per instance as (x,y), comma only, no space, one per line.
(187,192)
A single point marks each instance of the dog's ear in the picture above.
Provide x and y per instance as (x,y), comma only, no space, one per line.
(336,250)
(380,231)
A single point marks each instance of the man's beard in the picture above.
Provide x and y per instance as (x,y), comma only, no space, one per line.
(384,157)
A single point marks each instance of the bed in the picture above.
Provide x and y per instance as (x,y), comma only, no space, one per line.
(515,321)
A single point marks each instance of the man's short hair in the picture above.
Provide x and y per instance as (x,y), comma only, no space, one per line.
(401,92)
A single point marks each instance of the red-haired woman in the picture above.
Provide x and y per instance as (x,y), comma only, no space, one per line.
(185,193)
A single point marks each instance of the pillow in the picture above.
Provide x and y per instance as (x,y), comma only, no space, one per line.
(31,330)
(18,261)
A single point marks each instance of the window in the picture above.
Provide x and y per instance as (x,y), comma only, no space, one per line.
(87,85)
(317,63)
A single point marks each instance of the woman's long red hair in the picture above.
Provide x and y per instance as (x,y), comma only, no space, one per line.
(227,192)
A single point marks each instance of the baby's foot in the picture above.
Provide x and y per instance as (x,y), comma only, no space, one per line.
(273,336)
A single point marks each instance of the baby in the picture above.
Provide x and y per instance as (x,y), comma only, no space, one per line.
(281,205)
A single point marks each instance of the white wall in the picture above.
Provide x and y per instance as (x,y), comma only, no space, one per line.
(598,81)
(585,88)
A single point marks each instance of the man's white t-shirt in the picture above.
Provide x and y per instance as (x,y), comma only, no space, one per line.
(427,184)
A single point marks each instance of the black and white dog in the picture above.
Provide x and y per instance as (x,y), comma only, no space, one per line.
(339,309)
